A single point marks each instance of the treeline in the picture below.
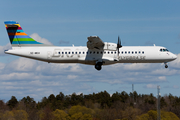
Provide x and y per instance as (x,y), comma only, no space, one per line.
(96,106)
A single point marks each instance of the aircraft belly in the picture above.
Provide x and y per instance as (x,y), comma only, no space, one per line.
(144,61)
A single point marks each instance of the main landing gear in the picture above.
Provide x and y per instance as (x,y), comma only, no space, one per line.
(166,66)
(98,66)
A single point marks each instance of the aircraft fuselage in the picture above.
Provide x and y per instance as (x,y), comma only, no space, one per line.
(127,54)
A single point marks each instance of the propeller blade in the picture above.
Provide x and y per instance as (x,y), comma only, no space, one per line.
(119,43)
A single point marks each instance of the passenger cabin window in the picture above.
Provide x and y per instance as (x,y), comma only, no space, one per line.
(62,52)
(76,52)
(142,52)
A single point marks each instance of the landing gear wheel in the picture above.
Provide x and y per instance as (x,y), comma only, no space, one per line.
(166,66)
(98,66)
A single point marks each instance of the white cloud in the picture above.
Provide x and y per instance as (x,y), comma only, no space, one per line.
(163,78)
(151,86)
(36,37)
(176,86)
(2,65)
(16,76)
(36,82)
(71,76)
(136,66)
(6,47)
(175,63)
(21,65)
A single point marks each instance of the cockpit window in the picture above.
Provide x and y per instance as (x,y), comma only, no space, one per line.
(164,50)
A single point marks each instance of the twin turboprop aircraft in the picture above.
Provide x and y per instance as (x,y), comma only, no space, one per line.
(96,52)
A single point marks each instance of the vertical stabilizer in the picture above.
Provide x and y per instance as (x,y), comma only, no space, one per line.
(17,37)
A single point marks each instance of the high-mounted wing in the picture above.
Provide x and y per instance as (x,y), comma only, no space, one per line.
(94,42)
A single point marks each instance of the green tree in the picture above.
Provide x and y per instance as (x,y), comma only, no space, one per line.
(163,102)
(115,97)
(8,115)
(29,102)
(86,117)
(104,99)
(60,96)
(52,98)
(60,115)
(20,115)
(123,96)
(43,103)
(74,99)
(80,116)
(152,115)
(78,108)
(3,106)
(45,114)
(130,113)
(80,112)
(77,116)
(12,102)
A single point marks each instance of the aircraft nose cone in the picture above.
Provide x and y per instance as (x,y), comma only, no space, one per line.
(174,56)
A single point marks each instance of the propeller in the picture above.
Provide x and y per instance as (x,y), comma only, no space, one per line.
(119,44)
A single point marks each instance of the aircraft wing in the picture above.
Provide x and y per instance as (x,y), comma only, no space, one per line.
(94,42)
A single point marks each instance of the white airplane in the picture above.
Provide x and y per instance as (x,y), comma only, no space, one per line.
(96,52)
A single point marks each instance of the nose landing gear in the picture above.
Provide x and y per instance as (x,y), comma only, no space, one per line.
(166,66)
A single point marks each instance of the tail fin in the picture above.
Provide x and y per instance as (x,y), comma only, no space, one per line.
(18,37)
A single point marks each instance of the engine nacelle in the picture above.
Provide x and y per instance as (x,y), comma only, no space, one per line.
(110,46)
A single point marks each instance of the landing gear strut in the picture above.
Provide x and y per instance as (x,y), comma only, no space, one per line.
(166,66)
(98,65)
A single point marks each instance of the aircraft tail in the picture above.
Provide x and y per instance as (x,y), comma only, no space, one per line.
(18,38)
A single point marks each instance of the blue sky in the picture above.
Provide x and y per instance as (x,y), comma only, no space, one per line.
(64,23)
